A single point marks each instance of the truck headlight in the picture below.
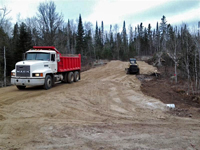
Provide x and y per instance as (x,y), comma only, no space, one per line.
(37,74)
(12,73)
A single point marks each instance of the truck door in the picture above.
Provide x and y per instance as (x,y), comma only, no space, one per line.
(53,63)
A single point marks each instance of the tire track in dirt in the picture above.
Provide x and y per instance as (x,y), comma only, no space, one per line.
(104,110)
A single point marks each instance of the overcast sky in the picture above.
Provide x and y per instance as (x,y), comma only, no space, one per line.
(114,11)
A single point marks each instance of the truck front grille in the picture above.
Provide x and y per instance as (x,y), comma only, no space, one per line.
(23,71)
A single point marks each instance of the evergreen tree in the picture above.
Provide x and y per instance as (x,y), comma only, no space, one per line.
(145,45)
(150,42)
(125,42)
(98,42)
(102,33)
(80,37)
(69,38)
(107,48)
(112,43)
(24,42)
(132,52)
(15,40)
(157,38)
(88,40)
(163,32)
(15,35)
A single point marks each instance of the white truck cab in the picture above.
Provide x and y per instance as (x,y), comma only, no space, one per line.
(32,71)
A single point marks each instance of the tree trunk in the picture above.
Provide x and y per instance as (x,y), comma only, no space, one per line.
(175,67)
(196,75)
(187,66)
(4,66)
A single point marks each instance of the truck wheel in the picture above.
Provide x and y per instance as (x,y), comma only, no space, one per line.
(76,76)
(48,82)
(70,77)
(65,76)
(21,87)
(138,72)
(128,72)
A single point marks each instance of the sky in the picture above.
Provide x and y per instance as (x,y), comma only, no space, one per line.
(113,12)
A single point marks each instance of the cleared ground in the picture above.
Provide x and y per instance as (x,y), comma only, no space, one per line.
(105,110)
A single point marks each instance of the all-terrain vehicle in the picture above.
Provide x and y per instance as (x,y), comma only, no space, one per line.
(133,67)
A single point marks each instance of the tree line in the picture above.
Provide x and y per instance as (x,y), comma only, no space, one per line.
(48,28)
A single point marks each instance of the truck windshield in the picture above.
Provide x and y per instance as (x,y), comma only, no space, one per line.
(133,61)
(38,56)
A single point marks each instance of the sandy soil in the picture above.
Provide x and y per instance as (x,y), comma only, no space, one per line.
(104,110)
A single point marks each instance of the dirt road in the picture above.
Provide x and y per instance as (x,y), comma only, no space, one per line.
(105,110)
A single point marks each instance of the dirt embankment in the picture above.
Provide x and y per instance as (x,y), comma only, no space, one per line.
(105,110)
(169,92)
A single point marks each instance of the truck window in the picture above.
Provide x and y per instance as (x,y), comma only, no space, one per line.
(38,56)
(52,57)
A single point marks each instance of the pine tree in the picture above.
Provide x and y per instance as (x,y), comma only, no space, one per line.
(112,43)
(102,33)
(157,38)
(163,32)
(124,40)
(145,45)
(150,42)
(24,41)
(80,37)
(88,39)
(107,49)
(69,36)
(15,34)
(131,42)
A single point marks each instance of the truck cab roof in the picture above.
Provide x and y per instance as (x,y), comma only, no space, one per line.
(40,51)
(47,48)
(132,59)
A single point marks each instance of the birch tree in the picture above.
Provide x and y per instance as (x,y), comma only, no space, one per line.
(49,21)
(5,22)
(172,50)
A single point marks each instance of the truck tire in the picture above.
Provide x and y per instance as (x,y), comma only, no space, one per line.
(76,76)
(70,77)
(48,82)
(21,87)
(128,72)
(65,76)
(138,72)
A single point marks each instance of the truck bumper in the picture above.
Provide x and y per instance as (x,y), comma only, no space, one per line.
(27,81)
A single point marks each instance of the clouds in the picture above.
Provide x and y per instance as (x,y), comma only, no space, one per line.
(114,11)
(21,8)
(175,11)
(28,8)
(134,12)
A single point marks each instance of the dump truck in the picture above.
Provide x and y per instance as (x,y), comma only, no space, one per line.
(45,66)
(132,67)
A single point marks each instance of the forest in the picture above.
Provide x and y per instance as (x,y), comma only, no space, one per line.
(175,46)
